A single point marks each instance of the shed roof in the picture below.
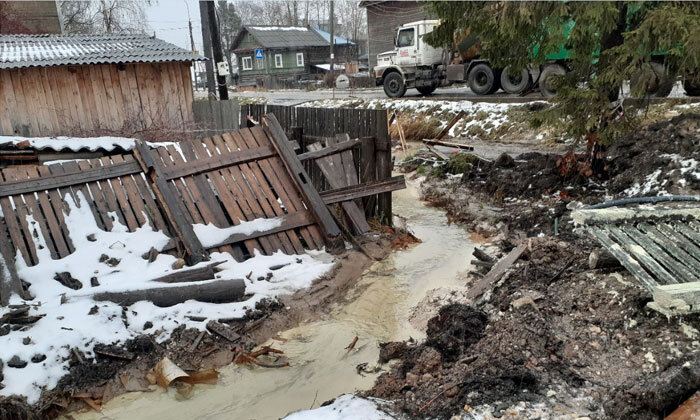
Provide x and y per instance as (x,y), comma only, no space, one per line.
(285,36)
(17,51)
(338,40)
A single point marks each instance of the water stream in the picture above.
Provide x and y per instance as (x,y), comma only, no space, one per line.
(377,309)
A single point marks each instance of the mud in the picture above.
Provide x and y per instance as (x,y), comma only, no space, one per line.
(560,340)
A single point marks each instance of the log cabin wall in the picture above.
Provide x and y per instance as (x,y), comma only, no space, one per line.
(95,99)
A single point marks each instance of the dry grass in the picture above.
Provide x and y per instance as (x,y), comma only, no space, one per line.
(415,127)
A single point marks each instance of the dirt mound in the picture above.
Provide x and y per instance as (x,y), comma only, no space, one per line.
(455,329)
(661,158)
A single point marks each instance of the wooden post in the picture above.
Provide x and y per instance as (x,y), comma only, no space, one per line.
(170,204)
(383,148)
(368,173)
(313,200)
(298,136)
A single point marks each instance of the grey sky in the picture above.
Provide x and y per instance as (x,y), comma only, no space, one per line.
(168,18)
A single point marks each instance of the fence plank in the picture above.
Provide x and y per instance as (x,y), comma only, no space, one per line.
(313,199)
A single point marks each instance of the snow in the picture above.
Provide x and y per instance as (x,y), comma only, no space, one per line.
(657,180)
(279,28)
(74,320)
(76,144)
(210,235)
(345,407)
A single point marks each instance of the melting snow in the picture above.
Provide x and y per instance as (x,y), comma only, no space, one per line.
(210,235)
(345,407)
(77,143)
(68,322)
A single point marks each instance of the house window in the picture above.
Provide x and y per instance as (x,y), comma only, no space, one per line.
(247,63)
(300,59)
(278,61)
(260,64)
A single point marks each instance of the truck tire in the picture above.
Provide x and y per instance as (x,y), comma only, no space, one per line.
(518,84)
(394,86)
(661,87)
(691,87)
(426,90)
(547,77)
(481,79)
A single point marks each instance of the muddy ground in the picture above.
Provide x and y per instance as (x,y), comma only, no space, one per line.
(553,339)
(106,377)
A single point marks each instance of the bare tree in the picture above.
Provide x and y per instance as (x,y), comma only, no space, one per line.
(104,16)
(352,19)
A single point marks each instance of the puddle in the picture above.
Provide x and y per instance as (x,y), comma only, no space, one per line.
(377,309)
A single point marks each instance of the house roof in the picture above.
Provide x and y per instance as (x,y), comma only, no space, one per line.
(285,36)
(17,51)
(339,40)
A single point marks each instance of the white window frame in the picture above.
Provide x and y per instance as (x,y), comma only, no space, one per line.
(260,63)
(300,55)
(281,62)
(248,60)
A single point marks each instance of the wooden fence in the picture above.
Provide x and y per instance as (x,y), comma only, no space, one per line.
(216,117)
(372,155)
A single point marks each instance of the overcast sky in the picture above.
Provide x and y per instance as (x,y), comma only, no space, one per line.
(168,18)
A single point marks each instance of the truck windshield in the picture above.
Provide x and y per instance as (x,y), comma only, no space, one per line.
(406,37)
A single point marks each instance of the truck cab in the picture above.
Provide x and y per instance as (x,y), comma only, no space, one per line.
(412,63)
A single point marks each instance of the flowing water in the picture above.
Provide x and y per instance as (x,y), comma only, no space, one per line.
(377,309)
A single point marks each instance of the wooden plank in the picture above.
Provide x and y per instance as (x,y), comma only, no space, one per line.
(9,280)
(326,151)
(330,229)
(73,167)
(14,226)
(58,206)
(289,222)
(640,254)
(170,205)
(495,274)
(281,183)
(69,179)
(164,160)
(447,144)
(383,165)
(363,190)
(259,186)
(229,199)
(451,124)
(42,213)
(368,174)
(684,296)
(187,88)
(113,191)
(217,162)
(628,262)
(667,261)
(336,178)
(664,230)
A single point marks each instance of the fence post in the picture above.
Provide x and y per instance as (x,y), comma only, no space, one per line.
(297,134)
(368,173)
(383,147)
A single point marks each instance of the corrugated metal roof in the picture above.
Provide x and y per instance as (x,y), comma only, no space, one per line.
(286,36)
(17,51)
(339,40)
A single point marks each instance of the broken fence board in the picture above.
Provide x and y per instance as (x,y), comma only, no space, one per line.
(496,272)
(364,190)
(290,221)
(69,179)
(431,142)
(451,124)
(335,148)
(217,162)
(170,204)
(333,236)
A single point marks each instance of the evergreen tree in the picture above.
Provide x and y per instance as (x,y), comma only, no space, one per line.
(609,43)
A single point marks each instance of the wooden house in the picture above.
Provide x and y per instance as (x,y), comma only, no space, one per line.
(290,54)
(29,17)
(384,17)
(83,85)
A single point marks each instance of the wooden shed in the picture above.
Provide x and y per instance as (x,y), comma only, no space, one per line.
(54,85)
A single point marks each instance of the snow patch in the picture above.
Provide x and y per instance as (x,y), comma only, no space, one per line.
(210,235)
(345,407)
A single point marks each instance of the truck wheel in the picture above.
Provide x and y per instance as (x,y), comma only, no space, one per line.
(394,86)
(548,77)
(481,79)
(515,84)
(692,87)
(659,86)
(426,90)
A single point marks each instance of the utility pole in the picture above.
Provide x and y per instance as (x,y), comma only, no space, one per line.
(206,45)
(332,28)
(216,46)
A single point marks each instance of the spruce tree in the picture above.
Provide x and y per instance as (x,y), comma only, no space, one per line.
(609,43)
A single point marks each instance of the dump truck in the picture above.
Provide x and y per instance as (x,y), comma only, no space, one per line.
(415,64)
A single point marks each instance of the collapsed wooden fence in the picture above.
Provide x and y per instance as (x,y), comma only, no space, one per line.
(224,179)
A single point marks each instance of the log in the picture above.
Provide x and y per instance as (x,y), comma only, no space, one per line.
(206,272)
(602,258)
(496,272)
(482,256)
(487,264)
(218,291)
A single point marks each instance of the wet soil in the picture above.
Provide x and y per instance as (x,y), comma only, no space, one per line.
(558,338)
